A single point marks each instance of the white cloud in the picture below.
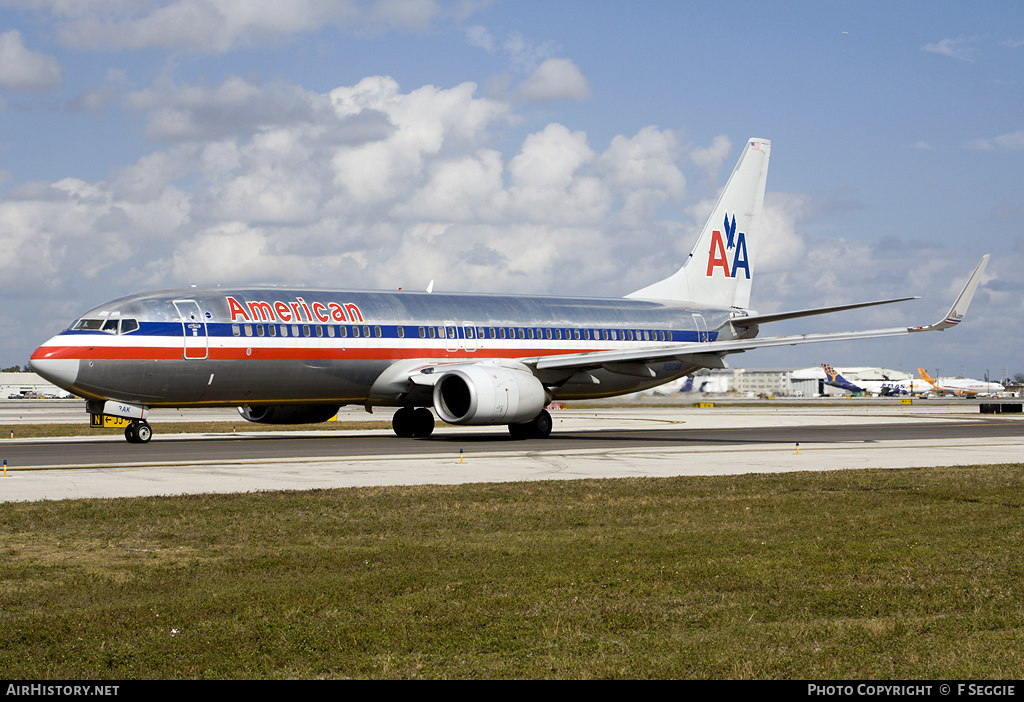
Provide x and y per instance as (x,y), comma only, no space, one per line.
(1014,141)
(23,70)
(555,79)
(712,157)
(223,25)
(958,48)
(478,36)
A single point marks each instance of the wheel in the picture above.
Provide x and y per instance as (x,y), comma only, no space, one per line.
(143,433)
(403,423)
(542,425)
(423,422)
(537,428)
(129,434)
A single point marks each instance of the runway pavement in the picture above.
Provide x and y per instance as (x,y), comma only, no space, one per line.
(586,443)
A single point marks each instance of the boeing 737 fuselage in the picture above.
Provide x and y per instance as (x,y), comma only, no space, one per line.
(296,356)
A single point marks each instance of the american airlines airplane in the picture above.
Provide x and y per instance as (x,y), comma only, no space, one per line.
(296,355)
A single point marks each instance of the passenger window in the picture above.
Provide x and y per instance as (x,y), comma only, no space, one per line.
(305,330)
(248,330)
(342,331)
(433,332)
(259,330)
(423,333)
(272,328)
(401,332)
(284,330)
(501,332)
(319,330)
(355,331)
(330,332)
(377,332)
(236,330)
(366,330)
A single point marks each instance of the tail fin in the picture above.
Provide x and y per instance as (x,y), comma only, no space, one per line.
(718,271)
(925,377)
(838,381)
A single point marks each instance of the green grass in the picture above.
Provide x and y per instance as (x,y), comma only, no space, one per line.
(867,574)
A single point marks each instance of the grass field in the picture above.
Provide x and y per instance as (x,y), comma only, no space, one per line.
(896,574)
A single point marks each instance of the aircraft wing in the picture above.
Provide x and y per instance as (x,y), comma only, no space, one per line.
(709,353)
(700,352)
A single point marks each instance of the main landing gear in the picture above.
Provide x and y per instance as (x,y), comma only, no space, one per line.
(138,432)
(537,428)
(410,421)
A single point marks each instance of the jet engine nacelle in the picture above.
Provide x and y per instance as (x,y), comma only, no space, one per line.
(484,394)
(288,414)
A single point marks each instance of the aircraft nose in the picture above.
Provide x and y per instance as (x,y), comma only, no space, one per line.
(62,372)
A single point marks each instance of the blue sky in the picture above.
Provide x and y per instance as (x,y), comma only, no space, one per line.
(516,146)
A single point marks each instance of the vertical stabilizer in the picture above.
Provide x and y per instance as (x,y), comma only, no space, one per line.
(719,270)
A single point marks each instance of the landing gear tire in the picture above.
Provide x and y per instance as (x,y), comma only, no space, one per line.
(413,422)
(424,422)
(537,428)
(138,433)
(402,422)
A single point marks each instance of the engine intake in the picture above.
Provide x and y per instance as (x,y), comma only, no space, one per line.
(483,394)
(288,414)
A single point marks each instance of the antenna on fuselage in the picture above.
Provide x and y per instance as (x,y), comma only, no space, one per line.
(430,288)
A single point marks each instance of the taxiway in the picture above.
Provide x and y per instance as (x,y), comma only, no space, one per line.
(609,442)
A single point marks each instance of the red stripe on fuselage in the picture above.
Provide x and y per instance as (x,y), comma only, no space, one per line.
(263,353)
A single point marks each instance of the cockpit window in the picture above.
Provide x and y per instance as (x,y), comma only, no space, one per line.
(111,326)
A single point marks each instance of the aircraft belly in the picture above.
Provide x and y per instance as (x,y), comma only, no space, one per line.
(229,382)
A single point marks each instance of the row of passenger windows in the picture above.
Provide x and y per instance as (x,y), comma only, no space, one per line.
(451,333)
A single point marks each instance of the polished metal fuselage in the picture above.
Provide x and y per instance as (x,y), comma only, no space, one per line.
(271,345)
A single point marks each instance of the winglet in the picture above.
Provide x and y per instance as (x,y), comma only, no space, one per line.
(959,308)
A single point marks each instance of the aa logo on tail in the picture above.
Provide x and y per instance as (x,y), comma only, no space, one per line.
(737,243)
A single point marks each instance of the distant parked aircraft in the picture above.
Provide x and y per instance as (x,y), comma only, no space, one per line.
(961,386)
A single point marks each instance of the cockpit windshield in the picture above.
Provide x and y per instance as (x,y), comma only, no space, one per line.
(110,326)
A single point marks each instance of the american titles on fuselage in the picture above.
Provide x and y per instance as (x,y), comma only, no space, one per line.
(298,311)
